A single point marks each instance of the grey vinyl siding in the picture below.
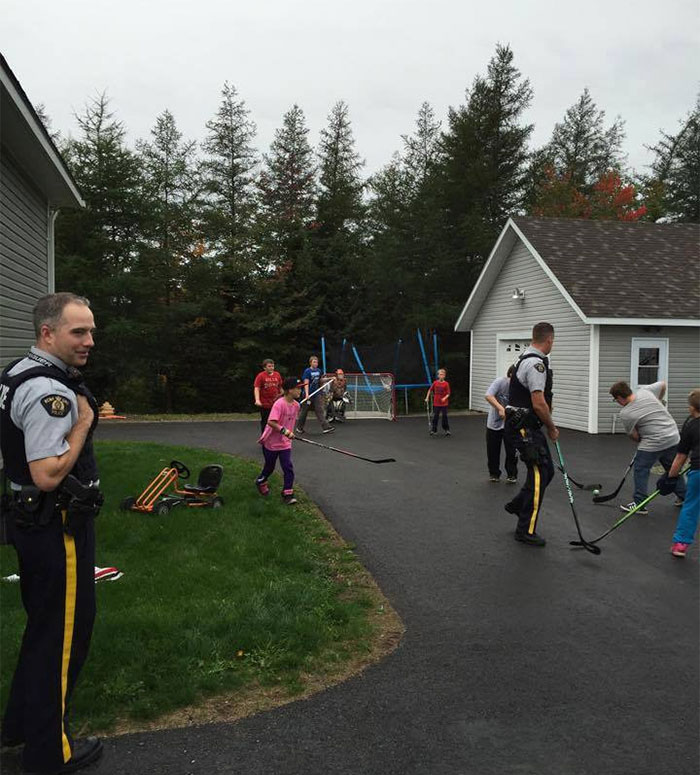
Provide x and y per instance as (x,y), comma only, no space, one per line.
(24,258)
(615,363)
(543,301)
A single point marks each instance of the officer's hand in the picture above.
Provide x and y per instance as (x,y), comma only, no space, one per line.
(502,413)
(85,412)
(554,433)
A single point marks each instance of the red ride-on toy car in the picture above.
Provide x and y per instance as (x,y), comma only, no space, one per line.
(155,500)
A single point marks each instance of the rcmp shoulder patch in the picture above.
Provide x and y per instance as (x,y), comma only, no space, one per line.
(55,405)
(540,367)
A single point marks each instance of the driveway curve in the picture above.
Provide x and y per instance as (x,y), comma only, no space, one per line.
(516,660)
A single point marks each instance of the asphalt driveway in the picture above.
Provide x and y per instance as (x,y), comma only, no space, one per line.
(516,660)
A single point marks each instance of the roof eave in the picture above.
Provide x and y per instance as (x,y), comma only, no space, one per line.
(36,153)
(686,322)
(486,279)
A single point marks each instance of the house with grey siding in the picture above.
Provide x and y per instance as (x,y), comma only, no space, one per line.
(624,299)
(34,184)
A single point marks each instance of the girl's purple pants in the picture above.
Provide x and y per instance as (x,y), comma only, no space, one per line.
(285,458)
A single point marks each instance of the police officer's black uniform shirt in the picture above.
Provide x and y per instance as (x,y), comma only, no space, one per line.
(44,409)
(532,375)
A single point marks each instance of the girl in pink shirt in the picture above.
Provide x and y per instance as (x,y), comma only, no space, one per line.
(277,438)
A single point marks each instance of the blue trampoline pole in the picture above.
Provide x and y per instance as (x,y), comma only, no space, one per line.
(323,354)
(425,357)
(435,352)
(364,373)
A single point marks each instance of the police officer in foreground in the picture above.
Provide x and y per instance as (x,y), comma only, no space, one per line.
(529,408)
(47,417)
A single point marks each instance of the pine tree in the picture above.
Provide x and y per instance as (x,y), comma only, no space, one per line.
(674,185)
(484,169)
(422,150)
(287,188)
(96,247)
(286,311)
(337,242)
(582,148)
(174,252)
(228,179)
(339,205)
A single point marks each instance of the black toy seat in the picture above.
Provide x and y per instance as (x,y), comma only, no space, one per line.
(208,481)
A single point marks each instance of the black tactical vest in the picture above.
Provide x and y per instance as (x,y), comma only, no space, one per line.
(12,438)
(519,395)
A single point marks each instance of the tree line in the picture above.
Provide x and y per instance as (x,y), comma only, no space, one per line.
(201,259)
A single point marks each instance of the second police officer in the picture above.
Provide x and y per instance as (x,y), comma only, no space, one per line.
(529,410)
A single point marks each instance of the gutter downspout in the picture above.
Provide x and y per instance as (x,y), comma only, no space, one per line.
(50,249)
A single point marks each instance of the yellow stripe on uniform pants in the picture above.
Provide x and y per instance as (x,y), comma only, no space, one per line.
(535,499)
(68,624)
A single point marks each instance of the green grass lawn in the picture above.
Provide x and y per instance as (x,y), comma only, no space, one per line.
(213,602)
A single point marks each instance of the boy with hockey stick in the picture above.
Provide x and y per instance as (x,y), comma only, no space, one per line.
(313,398)
(441,399)
(647,421)
(497,396)
(277,438)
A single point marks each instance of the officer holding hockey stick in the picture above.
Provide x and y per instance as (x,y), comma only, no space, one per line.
(47,417)
(529,409)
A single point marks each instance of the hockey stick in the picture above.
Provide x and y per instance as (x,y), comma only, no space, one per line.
(604,498)
(577,484)
(585,544)
(626,516)
(325,386)
(345,452)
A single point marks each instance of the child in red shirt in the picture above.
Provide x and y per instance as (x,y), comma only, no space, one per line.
(267,388)
(277,438)
(441,399)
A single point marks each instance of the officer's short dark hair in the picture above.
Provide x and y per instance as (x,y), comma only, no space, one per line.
(49,309)
(540,331)
(511,371)
(620,390)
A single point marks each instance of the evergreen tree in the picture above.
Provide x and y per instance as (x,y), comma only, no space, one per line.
(45,119)
(674,185)
(174,251)
(228,177)
(337,242)
(96,247)
(422,150)
(286,312)
(287,188)
(483,170)
(582,148)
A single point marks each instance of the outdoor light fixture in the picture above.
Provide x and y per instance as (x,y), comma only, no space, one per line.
(518,295)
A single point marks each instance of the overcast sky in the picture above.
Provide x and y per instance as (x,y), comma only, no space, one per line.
(384,57)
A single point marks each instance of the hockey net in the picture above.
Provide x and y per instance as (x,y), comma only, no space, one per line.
(371,395)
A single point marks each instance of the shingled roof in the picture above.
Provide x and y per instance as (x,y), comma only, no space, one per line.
(616,269)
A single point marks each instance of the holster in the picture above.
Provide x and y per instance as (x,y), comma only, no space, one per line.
(518,417)
(32,508)
(80,503)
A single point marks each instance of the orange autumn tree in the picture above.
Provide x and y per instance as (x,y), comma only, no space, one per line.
(613,200)
(609,198)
